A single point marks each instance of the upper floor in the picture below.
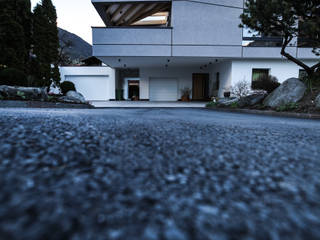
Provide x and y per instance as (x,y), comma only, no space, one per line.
(201,28)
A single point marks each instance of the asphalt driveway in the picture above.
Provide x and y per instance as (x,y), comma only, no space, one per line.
(168,174)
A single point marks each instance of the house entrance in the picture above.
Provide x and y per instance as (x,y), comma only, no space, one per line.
(133,90)
(200,86)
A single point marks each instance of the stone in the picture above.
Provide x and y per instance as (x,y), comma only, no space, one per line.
(227,102)
(23,93)
(73,97)
(291,91)
(252,100)
(317,101)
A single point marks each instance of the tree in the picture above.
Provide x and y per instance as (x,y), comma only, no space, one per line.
(64,58)
(46,43)
(15,33)
(288,19)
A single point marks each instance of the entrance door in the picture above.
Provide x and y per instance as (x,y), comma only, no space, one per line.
(133,90)
(200,86)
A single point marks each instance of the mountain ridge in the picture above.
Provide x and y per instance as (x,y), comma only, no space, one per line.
(73,46)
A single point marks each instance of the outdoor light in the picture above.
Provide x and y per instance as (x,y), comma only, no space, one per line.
(119,60)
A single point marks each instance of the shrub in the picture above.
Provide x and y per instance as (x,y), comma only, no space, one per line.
(287,107)
(241,89)
(67,86)
(266,82)
(13,77)
(212,104)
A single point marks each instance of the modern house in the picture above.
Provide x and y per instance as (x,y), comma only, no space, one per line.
(158,48)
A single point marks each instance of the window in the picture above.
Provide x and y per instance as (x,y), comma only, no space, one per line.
(217,81)
(302,74)
(258,73)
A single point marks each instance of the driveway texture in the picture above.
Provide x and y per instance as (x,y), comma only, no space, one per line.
(157,174)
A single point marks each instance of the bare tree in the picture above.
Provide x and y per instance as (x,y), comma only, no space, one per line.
(64,58)
(241,89)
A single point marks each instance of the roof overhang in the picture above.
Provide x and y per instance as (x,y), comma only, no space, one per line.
(125,13)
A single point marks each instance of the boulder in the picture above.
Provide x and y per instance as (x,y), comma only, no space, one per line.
(23,93)
(291,91)
(317,101)
(227,102)
(73,97)
(252,100)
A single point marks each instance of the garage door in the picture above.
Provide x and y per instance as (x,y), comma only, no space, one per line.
(93,88)
(163,89)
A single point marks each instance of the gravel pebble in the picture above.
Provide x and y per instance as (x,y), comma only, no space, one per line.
(157,174)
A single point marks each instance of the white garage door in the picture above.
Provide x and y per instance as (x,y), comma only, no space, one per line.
(163,89)
(92,87)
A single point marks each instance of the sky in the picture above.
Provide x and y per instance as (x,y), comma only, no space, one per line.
(76,16)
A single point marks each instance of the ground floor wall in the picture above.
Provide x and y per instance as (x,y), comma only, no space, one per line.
(183,76)
(94,83)
(227,72)
(233,71)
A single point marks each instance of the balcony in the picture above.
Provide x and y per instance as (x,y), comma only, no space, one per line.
(132,41)
(131,13)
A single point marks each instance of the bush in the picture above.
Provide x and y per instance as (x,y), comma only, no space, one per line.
(287,107)
(266,82)
(212,104)
(241,89)
(66,87)
(13,77)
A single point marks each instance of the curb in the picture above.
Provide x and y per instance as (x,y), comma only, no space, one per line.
(38,104)
(269,113)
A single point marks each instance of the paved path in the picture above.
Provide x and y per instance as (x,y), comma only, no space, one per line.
(149,174)
(147,104)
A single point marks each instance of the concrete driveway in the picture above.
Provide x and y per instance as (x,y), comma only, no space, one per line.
(147,104)
(169,174)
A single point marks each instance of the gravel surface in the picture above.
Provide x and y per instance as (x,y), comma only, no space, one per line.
(157,174)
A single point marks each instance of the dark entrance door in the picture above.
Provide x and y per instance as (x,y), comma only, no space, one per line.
(133,90)
(200,86)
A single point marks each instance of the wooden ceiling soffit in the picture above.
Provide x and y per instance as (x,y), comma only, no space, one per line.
(149,12)
(130,12)
(123,14)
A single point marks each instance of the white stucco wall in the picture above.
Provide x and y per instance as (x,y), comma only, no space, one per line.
(225,70)
(107,75)
(281,69)
(183,75)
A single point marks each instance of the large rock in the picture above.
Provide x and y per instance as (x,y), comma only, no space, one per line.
(317,102)
(252,100)
(291,91)
(23,93)
(73,97)
(227,102)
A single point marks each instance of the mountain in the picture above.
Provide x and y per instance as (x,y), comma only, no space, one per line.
(73,47)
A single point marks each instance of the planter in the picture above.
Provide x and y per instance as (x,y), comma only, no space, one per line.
(185,98)
(135,98)
(227,94)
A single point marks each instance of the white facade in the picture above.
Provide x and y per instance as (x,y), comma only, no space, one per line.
(94,83)
(201,37)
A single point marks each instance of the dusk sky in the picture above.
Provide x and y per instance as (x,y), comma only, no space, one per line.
(76,16)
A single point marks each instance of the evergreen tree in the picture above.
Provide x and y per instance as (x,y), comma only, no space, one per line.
(46,43)
(289,19)
(15,33)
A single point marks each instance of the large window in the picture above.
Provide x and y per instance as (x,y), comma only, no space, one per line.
(302,74)
(257,73)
